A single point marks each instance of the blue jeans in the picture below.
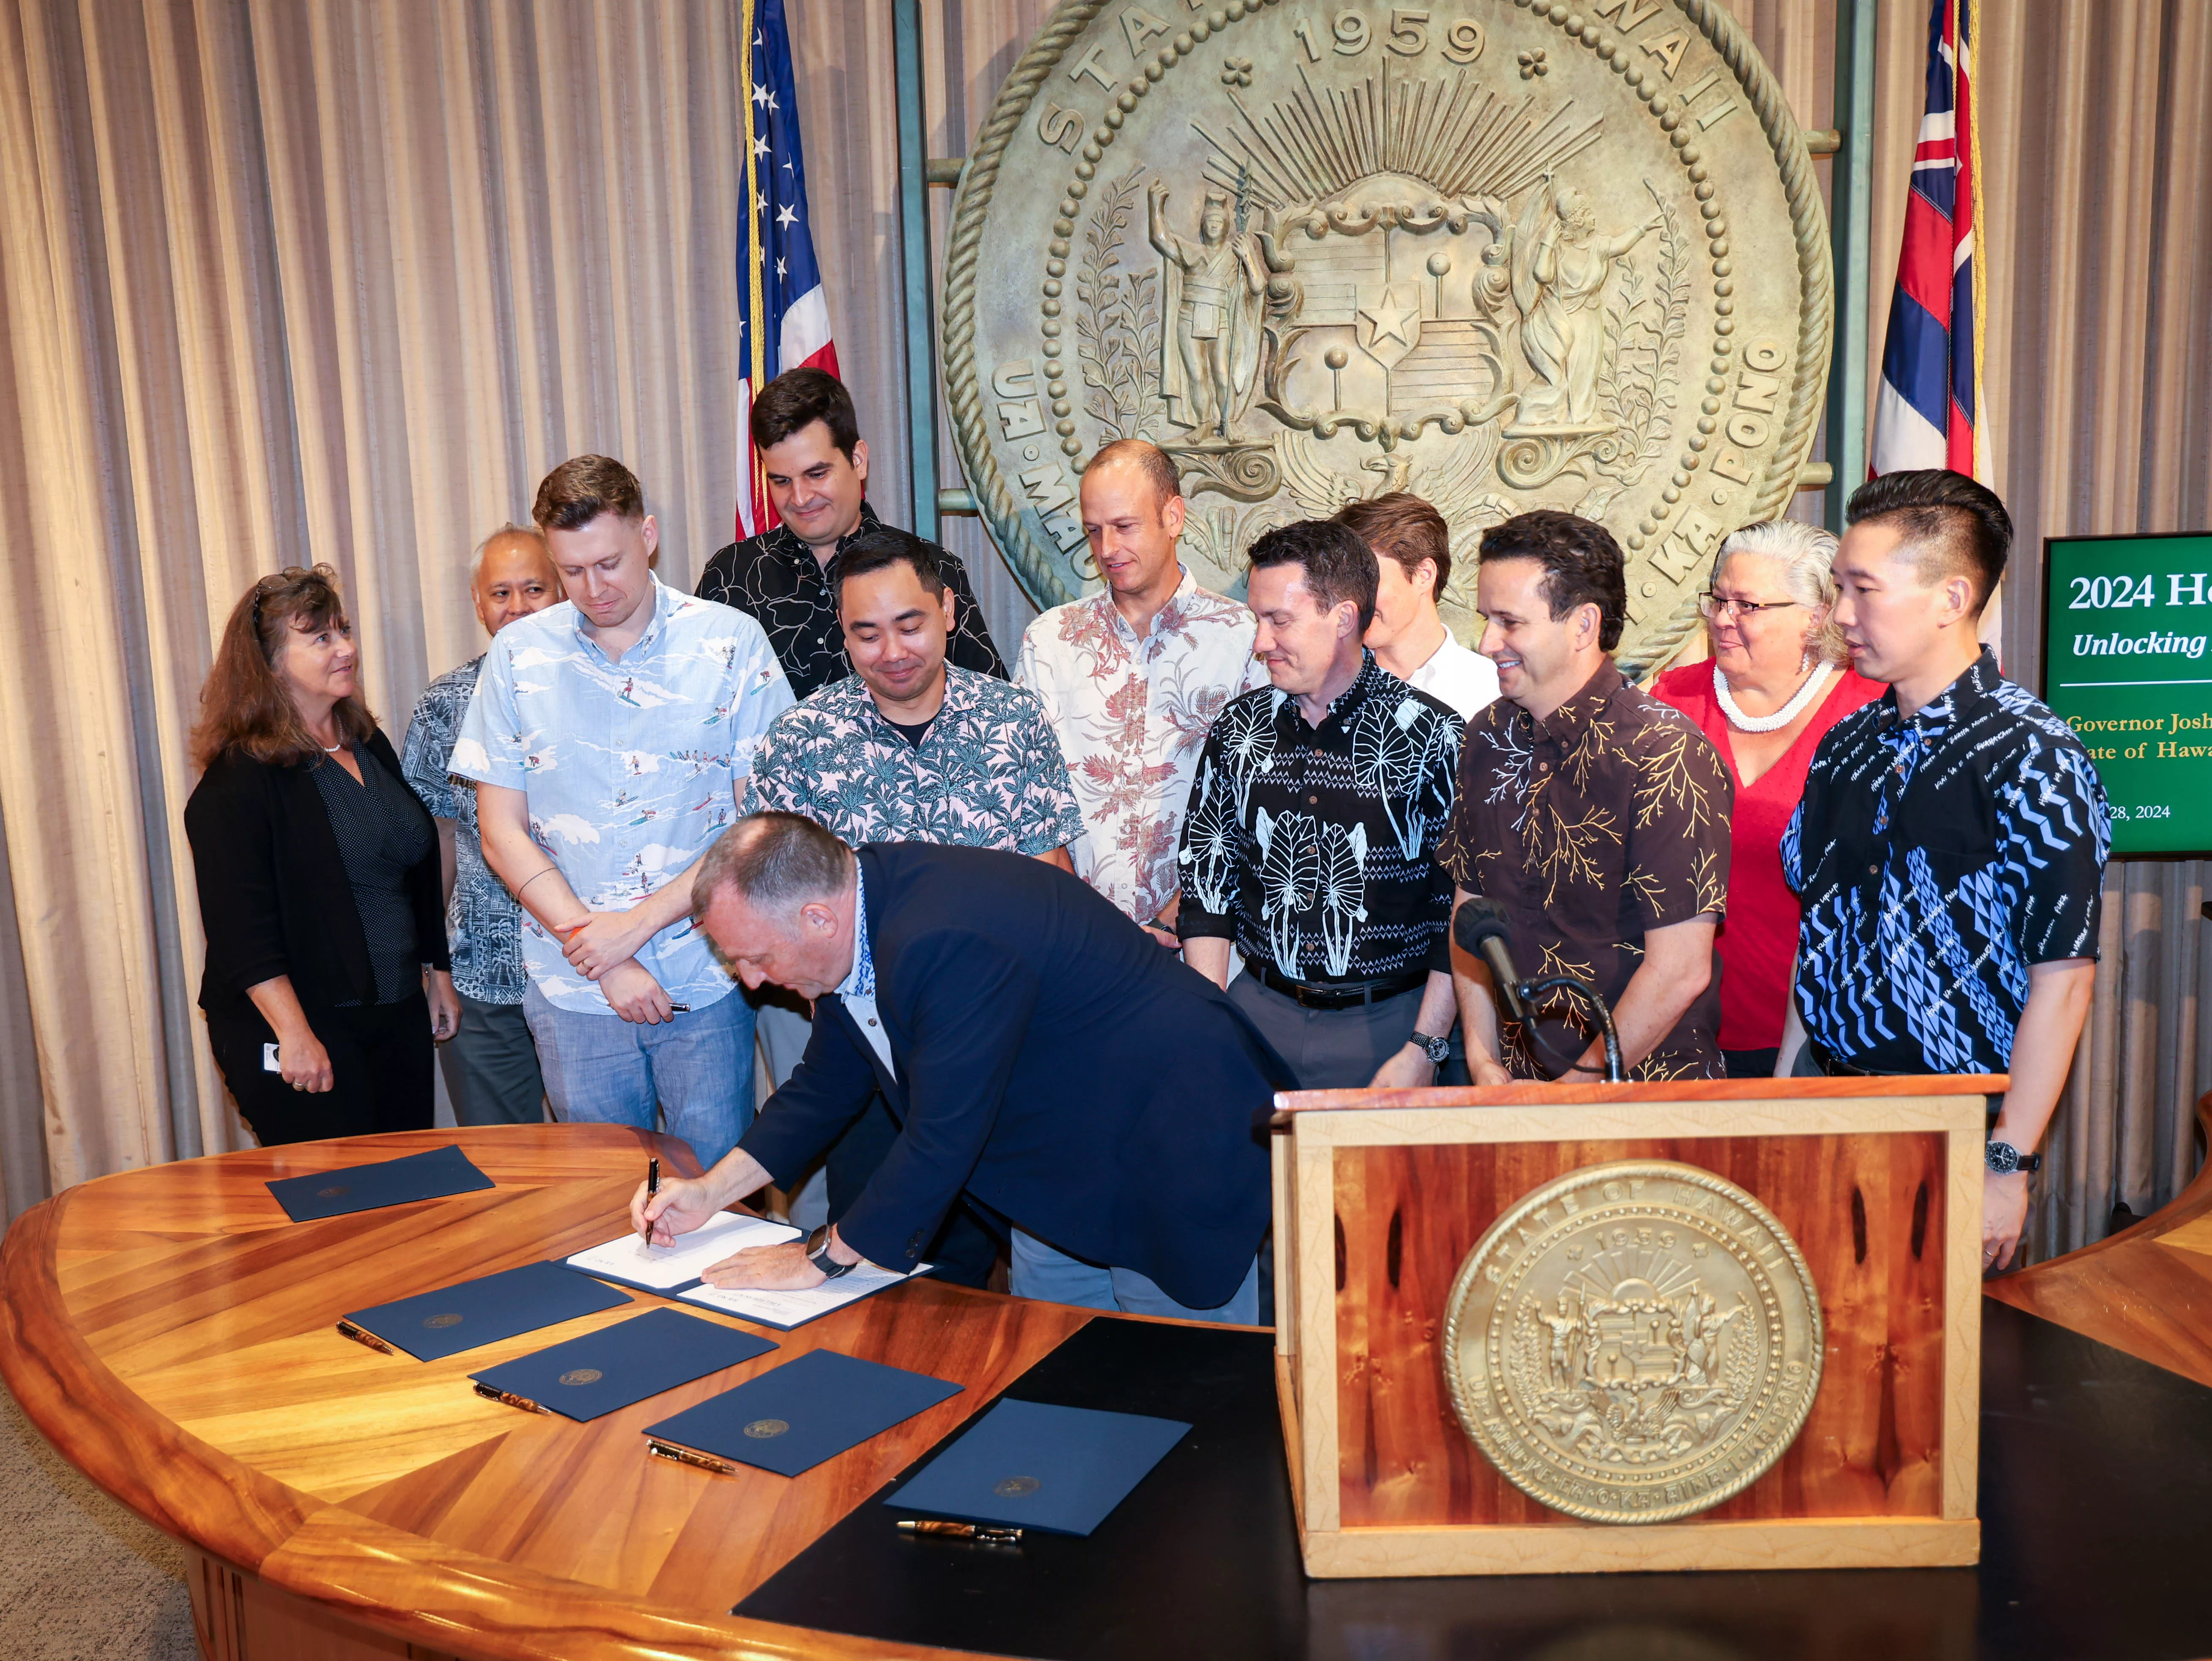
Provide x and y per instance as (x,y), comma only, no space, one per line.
(1038,1271)
(698,1067)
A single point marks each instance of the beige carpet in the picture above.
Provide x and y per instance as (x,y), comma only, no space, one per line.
(81,1577)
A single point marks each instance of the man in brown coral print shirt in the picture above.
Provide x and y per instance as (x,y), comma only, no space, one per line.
(1595,815)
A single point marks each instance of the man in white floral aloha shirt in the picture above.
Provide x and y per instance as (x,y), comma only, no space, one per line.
(1133,678)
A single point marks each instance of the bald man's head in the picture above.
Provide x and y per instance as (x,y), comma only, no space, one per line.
(1132,513)
(511,575)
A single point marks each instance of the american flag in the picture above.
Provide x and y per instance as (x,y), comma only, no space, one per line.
(1929,410)
(783,316)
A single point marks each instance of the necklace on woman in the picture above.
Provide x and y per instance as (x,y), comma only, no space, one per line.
(1798,702)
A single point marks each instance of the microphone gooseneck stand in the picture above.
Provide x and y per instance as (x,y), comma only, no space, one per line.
(1479,928)
(1528,991)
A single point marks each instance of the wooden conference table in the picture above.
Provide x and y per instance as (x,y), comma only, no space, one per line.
(170,1331)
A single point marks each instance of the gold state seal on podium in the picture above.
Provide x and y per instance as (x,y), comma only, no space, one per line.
(1634,1342)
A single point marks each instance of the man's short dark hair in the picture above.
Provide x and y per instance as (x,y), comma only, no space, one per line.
(1406,529)
(582,488)
(1583,565)
(773,861)
(795,400)
(1956,527)
(879,546)
(1155,464)
(1337,564)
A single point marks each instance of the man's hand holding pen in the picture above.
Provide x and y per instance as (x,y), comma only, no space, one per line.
(684,1204)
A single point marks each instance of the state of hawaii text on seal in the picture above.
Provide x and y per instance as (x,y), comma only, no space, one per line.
(1634,1342)
(1502,253)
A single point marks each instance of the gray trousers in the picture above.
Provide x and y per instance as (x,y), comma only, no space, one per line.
(1328,1048)
(490,1065)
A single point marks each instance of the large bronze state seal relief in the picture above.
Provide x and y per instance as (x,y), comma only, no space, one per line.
(1634,1342)
(1505,255)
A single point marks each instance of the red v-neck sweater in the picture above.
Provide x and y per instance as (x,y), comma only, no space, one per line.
(1759,936)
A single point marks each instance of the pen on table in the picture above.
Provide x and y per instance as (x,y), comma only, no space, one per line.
(651,1188)
(986,1534)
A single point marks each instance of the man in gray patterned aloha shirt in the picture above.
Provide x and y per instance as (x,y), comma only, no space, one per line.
(490,1064)
(910,748)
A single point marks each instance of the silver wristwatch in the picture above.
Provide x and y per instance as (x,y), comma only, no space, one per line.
(817,1253)
(1438,1049)
(2004,1159)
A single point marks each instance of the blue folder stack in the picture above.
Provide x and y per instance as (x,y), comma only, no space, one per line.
(794,1417)
(433,1325)
(431,1176)
(620,1366)
(1026,1464)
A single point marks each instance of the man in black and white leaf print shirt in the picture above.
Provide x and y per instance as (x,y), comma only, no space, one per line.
(1310,843)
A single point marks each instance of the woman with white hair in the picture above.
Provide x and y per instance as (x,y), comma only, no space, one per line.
(1778,680)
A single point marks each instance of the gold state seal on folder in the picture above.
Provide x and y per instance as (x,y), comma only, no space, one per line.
(1634,1342)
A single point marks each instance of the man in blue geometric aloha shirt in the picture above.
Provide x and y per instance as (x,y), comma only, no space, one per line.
(1951,842)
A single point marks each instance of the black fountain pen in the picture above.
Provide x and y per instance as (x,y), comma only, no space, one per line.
(651,1188)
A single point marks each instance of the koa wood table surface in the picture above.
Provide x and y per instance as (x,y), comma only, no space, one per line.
(172,1335)
(172,1332)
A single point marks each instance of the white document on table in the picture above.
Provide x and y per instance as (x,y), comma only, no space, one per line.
(664,1268)
(787,1310)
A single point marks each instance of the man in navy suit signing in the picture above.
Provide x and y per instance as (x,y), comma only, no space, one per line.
(1038,1050)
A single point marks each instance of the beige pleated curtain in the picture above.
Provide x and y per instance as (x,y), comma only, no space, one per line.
(294,280)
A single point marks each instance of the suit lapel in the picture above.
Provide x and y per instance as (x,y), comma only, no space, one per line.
(893,1090)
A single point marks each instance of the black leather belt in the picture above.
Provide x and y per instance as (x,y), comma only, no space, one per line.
(1837,1068)
(1346,996)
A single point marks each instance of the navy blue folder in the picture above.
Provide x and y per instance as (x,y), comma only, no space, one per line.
(435,1324)
(430,1176)
(795,1416)
(619,1366)
(1061,1470)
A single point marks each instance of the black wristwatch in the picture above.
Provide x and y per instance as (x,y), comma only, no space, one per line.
(1439,1050)
(817,1253)
(2004,1159)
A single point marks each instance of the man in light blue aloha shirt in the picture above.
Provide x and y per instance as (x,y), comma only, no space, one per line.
(609,738)
(910,748)
(490,1062)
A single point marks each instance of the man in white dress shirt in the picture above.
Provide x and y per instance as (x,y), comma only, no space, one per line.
(1412,557)
(1131,680)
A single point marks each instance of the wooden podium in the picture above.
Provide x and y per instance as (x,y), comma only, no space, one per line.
(1380,1196)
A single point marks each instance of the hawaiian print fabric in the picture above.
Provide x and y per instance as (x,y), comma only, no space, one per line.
(631,768)
(775,579)
(1132,715)
(1313,848)
(1607,819)
(987,774)
(483,925)
(1955,849)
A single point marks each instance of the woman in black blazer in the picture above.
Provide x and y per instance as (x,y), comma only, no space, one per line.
(318,880)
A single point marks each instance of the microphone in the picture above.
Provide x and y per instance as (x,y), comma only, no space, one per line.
(1478,929)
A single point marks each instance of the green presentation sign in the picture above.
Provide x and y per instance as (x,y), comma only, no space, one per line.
(2126,621)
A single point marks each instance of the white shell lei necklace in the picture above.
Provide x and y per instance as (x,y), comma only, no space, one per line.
(1781,718)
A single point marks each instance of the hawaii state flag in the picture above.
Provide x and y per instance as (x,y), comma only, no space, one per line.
(783,316)
(1928,412)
